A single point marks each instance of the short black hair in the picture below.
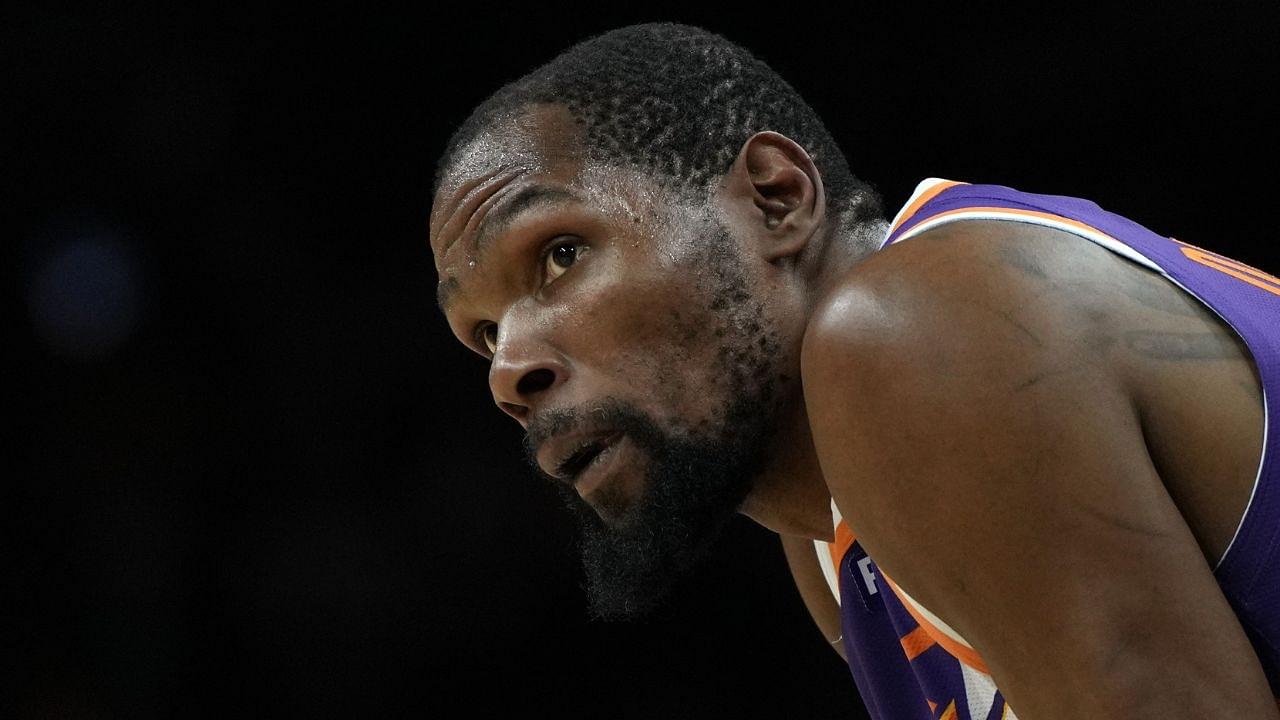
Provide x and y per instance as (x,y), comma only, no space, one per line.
(677,102)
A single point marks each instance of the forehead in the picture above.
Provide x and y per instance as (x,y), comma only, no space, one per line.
(539,148)
(543,139)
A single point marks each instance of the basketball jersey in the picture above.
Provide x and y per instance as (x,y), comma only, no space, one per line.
(908,663)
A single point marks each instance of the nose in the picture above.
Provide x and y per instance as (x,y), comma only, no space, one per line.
(523,372)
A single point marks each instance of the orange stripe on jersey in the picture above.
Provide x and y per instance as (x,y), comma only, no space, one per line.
(933,706)
(925,197)
(844,540)
(916,642)
(949,713)
(1018,213)
(1234,268)
(966,655)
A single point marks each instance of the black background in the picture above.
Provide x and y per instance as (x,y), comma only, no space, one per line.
(275,486)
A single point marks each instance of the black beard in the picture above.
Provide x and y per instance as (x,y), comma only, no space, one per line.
(692,487)
(695,479)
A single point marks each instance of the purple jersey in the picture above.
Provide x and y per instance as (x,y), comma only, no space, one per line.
(907,663)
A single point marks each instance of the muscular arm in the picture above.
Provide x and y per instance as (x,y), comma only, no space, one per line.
(976,436)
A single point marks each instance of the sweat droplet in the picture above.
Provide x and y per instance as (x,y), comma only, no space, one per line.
(471,264)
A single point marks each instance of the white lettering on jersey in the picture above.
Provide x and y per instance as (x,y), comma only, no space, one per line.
(868,577)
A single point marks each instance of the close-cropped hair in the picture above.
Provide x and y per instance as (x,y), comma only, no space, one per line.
(677,103)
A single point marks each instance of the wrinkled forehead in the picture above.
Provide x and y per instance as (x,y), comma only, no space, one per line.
(542,139)
(542,146)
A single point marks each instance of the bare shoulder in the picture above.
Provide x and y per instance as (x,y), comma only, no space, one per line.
(1024,314)
(917,351)
(965,292)
(981,269)
(981,431)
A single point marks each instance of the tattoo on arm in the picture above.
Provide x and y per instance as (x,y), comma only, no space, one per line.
(1018,257)
(1181,346)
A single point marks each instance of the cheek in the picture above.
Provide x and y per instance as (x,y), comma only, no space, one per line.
(626,308)
(656,339)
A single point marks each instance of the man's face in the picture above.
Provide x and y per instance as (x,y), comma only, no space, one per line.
(625,337)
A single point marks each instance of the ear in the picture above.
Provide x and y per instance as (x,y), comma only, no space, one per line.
(774,193)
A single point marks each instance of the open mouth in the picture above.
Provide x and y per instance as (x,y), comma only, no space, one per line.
(580,458)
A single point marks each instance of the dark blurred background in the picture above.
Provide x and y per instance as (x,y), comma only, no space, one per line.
(252,473)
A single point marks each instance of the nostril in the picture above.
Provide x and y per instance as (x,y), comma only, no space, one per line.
(516,411)
(534,382)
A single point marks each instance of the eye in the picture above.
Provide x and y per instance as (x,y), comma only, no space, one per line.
(487,335)
(561,256)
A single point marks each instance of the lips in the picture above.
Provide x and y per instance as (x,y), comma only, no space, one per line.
(566,457)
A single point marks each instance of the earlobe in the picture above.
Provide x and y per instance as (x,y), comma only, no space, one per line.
(784,190)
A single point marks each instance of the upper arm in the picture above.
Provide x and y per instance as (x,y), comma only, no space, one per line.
(975,436)
(814,590)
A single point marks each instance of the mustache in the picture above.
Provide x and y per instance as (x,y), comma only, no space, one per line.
(610,412)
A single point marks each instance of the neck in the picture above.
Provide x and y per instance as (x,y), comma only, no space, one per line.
(844,250)
(791,496)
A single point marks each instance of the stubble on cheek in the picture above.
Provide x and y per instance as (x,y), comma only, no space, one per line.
(660,341)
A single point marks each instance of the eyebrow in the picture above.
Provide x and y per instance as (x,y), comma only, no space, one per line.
(524,200)
(444,293)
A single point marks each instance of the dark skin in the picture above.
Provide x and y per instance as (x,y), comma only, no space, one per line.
(982,370)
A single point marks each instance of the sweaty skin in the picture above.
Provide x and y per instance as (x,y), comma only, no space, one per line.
(1045,444)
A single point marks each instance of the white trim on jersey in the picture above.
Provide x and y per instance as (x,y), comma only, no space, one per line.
(1012,215)
(1257,480)
(934,620)
(979,691)
(828,565)
(921,189)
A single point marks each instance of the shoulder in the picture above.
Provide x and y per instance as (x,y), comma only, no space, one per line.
(973,294)
(974,341)
(976,433)
(953,378)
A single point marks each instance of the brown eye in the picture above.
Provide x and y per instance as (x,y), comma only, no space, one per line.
(562,256)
